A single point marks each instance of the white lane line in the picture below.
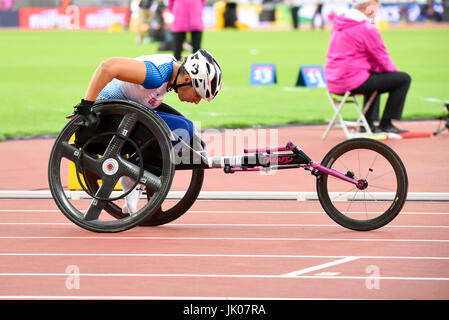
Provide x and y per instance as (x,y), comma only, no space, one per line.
(233,211)
(27,210)
(327,274)
(220,238)
(318,267)
(192,275)
(258,225)
(230,225)
(155,298)
(233,195)
(206,255)
(37,223)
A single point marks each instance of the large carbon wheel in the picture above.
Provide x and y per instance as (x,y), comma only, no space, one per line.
(107,157)
(386,184)
(170,210)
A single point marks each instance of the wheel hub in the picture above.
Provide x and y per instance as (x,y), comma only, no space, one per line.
(110,166)
(362,184)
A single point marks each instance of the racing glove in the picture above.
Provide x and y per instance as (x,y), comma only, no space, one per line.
(88,117)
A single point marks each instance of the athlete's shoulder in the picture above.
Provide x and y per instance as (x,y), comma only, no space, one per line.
(157,59)
(159,69)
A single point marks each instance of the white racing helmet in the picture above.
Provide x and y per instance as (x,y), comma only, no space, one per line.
(205,73)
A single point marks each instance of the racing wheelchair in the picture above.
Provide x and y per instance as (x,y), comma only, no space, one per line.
(361,183)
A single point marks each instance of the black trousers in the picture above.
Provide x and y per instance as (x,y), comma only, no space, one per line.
(178,40)
(295,22)
(396,84)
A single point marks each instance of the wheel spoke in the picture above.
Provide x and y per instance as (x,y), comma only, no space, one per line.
(126,126)
(150,180)
(96,206)
(70,152)
(94,210)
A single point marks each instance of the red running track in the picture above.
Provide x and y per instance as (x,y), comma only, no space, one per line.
(231,249)
(228,249)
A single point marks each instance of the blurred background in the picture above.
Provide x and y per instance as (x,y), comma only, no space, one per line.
(49,50)
(67,14)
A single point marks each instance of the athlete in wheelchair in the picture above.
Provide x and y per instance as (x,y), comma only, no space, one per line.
(123,132)
(147,80)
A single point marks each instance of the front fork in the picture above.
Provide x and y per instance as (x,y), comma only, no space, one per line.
(361,184)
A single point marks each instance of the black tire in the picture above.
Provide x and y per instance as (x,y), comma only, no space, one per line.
(132,118)
(163,215)
(380,202)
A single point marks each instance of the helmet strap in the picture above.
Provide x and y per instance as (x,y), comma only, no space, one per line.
(175,86)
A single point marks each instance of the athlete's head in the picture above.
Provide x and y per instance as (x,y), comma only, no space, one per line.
(200,72)
(205,73)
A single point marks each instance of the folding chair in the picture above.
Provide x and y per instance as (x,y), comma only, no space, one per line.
(337,120)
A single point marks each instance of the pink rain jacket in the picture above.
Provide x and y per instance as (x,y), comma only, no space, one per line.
(188,15)
(355,51)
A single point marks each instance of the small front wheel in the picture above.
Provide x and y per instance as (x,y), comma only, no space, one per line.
(371,207)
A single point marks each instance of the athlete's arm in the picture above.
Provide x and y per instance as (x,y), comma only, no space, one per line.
(124,69)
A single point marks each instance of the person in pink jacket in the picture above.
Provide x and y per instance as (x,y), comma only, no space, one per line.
(188,17)
(358,61)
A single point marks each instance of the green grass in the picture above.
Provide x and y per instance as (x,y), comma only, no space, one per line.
(45,73)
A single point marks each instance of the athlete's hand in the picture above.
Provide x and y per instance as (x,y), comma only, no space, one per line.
(84,109)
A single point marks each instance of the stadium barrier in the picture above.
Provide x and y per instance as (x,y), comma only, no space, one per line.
(248,14)
(73,17)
